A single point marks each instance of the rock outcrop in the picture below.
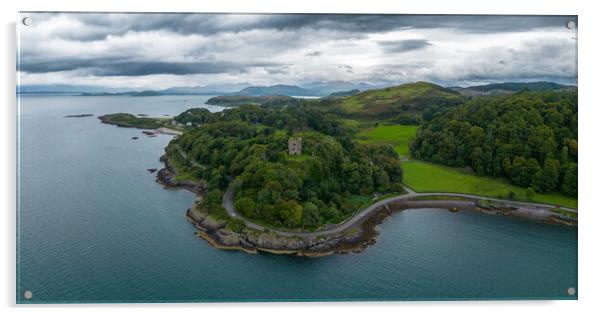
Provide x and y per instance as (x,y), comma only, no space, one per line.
(253,241)
(167,177)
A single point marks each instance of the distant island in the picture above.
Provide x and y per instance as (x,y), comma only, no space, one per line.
(129,120)
(314,177)
(267,100)
(79,115)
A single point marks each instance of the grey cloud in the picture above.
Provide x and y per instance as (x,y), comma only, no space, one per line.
(314,54)
(180,68)
(128,68)
(348,69)
(403,45)
(226,47)
(492,23)
(354,24)
(538,59)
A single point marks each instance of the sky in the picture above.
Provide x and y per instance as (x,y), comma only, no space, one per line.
(158,51)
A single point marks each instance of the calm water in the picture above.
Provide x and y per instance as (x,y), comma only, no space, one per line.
(95,227)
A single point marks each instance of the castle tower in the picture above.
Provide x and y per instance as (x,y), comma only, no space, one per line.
(295,146)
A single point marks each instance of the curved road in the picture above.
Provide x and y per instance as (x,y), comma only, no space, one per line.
(228,204)
(360,217)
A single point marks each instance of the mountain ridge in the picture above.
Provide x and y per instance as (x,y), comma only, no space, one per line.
(325,88)
(510,87)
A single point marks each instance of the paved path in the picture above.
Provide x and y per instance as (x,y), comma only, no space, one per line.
(168,131)
(360,217)
(228,204)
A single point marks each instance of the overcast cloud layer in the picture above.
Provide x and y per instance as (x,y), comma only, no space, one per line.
(156,51)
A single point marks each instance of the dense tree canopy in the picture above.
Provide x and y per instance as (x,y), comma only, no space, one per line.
(529,137)
(248,146)
(196,116)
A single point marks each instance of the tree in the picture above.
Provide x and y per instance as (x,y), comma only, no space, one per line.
(381,180)
(548,176)
(570,183)
(519,173)
(573,147)
(311,215)
(511,195)
(564,155)
(235,225)
(530,193)
(532,167)
(477,136)
(246,205)
(477,160)
(213,197)
(296,212)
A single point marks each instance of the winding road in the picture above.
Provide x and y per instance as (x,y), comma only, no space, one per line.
(360,217)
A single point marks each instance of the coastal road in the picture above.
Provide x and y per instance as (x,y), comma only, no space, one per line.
(360,217)
(228,204)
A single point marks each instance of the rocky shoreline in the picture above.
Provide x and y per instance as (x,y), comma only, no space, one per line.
(254,241)
(353,240)
(167,177)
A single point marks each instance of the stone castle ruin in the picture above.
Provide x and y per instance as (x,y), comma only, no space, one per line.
(295,146)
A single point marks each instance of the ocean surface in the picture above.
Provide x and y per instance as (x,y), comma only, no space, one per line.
(93,226)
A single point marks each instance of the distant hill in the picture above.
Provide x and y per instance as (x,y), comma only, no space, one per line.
(104,91)
(280,89)
(344,93)
(205,90)
(268,100)
(510,87)
(328,87)
(403,93)
(65,88)
(408,99)
(146,93)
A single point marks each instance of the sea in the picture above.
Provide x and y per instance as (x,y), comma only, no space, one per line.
(93,226)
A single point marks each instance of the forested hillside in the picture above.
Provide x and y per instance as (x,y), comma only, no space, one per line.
(331,178)
(529,137)
(506,88)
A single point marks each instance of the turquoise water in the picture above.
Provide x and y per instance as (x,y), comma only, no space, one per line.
(93,226)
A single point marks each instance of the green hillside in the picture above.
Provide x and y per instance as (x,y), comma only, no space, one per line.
(411,98)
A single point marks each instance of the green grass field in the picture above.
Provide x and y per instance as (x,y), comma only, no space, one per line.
(399,136)
(427,177)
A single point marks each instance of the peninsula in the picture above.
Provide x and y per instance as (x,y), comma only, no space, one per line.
(315,178)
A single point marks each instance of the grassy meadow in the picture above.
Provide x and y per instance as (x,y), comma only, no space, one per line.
(428,177)
(399,136)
